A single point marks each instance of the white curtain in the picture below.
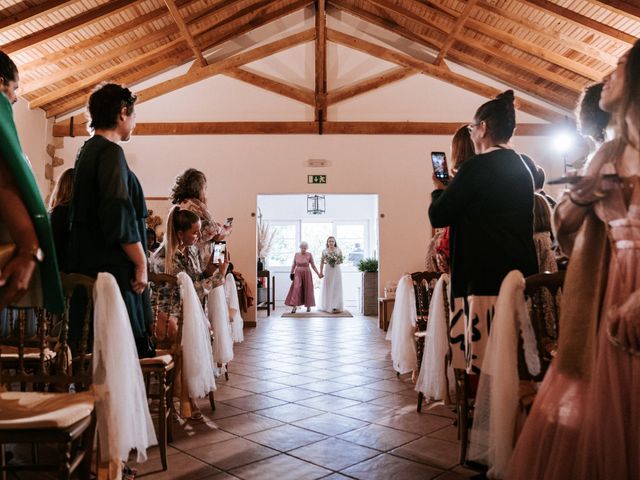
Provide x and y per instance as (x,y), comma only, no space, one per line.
(496,406)
(124,422)
(197,357)
(237,324)
(436,375)
(219,320)
(402,326)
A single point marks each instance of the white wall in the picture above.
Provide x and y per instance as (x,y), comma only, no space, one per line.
(34,131)
(241,167)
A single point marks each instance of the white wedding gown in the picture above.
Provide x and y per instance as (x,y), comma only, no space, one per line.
(331,296)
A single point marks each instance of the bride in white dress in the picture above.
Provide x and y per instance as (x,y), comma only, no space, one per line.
(331,296)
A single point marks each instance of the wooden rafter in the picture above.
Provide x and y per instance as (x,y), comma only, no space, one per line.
(155,68)
(438,72)
(549,34)
(184,30)
(236,14)
(505,76)
(65,26)
(337,128)
(621,6)
(300,94)
(523,45)
(581,20)
(244,27)
(100,38)
(12,21)
(369,84)
(321,64)
(455,31)
(98,77)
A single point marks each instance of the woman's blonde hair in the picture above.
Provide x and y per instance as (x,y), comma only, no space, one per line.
(63,191)
(177,221)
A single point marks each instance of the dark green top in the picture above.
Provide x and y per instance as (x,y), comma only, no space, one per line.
(489,208)
(107,210)
(11,153)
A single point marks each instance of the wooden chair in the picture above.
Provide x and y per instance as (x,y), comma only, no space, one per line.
(52,415)
(162,367)
(423,285)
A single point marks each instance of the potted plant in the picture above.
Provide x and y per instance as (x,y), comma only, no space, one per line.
(369,269)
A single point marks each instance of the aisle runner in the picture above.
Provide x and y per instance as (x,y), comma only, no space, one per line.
(303,314)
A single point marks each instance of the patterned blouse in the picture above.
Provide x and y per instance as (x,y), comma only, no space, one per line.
(188,262)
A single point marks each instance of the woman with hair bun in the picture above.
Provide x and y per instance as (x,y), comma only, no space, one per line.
(489,208)
(301,290)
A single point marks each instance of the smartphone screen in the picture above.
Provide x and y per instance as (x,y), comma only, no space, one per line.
(439,161)
(219,251)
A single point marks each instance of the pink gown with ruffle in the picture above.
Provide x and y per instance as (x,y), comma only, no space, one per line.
(590,429)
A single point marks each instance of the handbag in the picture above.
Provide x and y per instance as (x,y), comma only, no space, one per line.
(7,250)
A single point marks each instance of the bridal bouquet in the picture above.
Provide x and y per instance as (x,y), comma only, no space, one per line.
(334,258)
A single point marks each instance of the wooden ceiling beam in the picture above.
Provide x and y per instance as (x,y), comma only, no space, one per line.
(508,77)
(218,67)
(621,6)
(549,34)
(73,23)
(429,69)
(250,9)
(100,38)
(128,78)
(28,87)
(299,128)
(580,20)
(369,84)
(454,32)
(31,13)
(321,64)
(300,94)
(184,30)
(523,45)
(101,76)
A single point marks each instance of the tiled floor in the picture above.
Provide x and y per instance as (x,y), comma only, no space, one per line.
(313,398)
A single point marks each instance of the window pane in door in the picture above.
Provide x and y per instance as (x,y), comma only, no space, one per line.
(352,241)
(283,247)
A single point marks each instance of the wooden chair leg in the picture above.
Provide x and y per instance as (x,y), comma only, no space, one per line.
(420,400)
(226,372)
(64,465)
(462,408)
(3,461)
(162,420)
(212,401)
(171,410)
(84,469)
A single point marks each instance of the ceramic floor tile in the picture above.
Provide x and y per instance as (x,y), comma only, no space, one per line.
(295,380)
(232,453)
(415,422)
(290,412)
(293,394)
(384,467)
(328,403)
(225,393)
(261,386)
(201,437)
(391,386)
(285,437)
(246,423)
(330,424)
(379,437)
(282,467)
(367,412)
(333,453)
(326,386)
(432,451)
(251,403)
(362,394)
(180,465)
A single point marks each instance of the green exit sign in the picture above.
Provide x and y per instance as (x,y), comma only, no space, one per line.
(316,179)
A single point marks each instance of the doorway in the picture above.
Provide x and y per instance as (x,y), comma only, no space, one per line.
(351,219)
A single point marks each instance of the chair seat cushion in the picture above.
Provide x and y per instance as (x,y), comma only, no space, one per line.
(157,360)
(36,410)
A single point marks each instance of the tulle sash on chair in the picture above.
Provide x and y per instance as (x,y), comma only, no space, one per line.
(124,421)
(231,293)
(402,326)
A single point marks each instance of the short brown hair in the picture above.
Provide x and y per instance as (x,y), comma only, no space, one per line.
(189,184)
(105,104)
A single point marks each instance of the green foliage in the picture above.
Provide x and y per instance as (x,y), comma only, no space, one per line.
(368,265)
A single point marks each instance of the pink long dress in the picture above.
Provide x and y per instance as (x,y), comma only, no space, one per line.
(301,290)
(580,429)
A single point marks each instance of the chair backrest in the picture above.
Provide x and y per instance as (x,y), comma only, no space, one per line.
(168,319)
(543,292)
(50,358)
(423,285)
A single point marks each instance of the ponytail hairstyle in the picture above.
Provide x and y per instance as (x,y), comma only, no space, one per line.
(499,115)
(177,221)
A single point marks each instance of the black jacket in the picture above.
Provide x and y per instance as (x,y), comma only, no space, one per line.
(489,209)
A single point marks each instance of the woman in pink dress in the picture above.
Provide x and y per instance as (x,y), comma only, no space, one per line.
(301,290)
(585,421)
